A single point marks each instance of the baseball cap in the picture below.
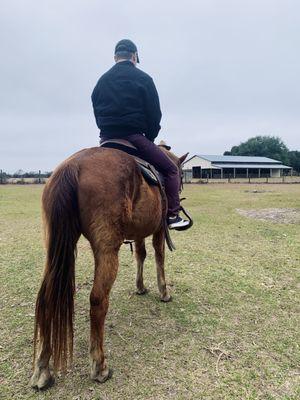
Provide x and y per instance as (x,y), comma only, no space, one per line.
(126,45)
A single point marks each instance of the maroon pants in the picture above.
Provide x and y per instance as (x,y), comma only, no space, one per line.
(151,153)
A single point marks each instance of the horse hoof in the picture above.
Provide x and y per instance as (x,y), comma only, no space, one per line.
(141,292)
(103,376)
(166,298)
(42,379)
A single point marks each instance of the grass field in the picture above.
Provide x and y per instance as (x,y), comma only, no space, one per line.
(231,331)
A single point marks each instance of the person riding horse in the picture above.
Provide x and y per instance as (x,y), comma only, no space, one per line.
(100,193)
(126,105)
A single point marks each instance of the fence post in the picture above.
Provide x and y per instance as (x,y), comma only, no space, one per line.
(1,177)
(39,176)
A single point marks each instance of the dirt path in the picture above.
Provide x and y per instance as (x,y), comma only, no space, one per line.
(277,215)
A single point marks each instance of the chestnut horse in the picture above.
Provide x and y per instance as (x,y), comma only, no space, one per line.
(100,193)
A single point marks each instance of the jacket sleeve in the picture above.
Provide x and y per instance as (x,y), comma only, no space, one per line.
(153,112)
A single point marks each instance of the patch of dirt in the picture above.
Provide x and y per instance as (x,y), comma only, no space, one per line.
(277,215)
(258,191)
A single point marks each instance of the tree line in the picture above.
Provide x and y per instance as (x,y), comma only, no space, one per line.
(267,146)
(20,174)
(31,174)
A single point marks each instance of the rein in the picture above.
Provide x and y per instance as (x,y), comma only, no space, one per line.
(168,239)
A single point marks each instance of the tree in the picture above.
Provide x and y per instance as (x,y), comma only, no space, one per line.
(18,174)
(262,146)
(294,160)
(3,177)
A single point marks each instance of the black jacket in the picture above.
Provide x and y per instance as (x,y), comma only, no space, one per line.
(125,102)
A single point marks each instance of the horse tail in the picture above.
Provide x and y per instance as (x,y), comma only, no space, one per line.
(54,311)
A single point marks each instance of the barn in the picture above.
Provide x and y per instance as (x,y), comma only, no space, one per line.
(219,167)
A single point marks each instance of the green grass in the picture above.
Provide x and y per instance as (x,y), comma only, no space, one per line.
(231,331)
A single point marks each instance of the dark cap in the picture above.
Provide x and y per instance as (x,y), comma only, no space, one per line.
(126,45)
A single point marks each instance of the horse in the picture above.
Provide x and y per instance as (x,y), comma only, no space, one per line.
(101,194)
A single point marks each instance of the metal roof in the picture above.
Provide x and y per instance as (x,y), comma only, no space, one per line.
(256,166)
(238,159)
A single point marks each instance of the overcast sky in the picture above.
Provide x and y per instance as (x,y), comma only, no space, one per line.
(225,70)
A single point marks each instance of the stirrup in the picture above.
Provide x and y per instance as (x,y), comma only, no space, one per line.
(188,216)
(183,224)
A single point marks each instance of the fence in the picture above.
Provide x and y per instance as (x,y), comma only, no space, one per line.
(282,179)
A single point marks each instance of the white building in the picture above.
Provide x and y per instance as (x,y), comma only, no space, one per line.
(219,167)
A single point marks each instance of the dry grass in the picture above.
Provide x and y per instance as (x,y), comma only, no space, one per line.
(231,332)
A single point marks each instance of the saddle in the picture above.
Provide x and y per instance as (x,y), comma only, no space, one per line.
(150,174)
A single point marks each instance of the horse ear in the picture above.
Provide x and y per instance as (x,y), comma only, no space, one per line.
(182,158)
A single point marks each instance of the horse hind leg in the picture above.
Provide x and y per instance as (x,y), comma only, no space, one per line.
(159,247)
(106,267)
(42,378)
(140,255)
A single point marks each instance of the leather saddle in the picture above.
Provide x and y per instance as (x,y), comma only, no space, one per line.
(150,174)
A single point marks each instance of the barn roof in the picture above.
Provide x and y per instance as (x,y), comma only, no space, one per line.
(238,159)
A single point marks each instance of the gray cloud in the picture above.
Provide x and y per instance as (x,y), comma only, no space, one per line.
(225,70)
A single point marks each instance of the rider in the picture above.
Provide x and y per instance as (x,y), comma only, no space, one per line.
(126,105)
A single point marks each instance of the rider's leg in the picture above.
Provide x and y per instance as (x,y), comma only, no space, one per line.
(155,156)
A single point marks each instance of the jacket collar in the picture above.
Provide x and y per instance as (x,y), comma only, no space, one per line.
(125,62)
